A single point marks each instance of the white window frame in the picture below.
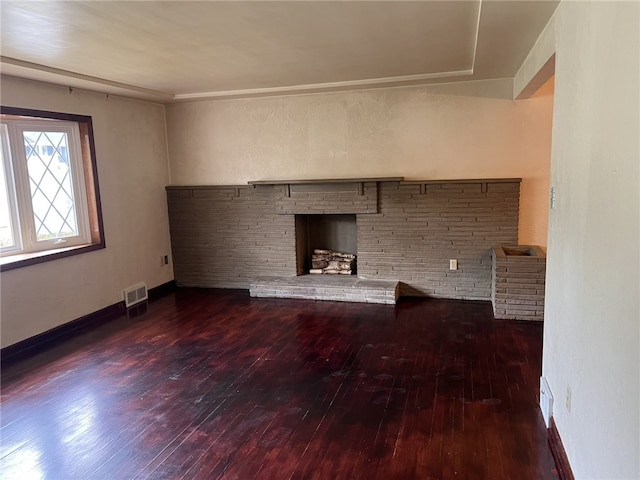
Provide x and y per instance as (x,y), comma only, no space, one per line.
(19,189)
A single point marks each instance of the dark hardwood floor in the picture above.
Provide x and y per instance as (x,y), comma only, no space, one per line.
(214,384)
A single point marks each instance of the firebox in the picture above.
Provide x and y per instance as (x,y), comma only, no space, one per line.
(335,232)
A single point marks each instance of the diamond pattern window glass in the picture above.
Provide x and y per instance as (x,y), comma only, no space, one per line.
(50,176)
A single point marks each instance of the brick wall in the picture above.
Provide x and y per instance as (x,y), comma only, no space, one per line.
(224,236)
(327,198)
(517,284)
(421,227)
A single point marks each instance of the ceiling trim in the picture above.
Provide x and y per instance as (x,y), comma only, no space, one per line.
(43,73)
(318,87)
(52,75)
(475,41)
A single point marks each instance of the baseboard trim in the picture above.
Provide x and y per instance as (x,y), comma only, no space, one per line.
(559,455)
(48,339)
(160,291)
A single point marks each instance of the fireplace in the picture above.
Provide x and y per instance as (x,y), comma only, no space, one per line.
(336,232)
(407,231)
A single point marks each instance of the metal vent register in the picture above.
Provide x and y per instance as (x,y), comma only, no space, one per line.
(136,294)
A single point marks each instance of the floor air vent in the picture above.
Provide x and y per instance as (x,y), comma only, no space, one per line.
(136,294)
(546,401)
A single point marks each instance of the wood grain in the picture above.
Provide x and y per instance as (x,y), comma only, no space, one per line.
(214,384)
(559,454)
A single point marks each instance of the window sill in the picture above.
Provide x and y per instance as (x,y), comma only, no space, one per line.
(12,262)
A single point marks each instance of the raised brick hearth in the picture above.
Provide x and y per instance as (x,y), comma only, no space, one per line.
(338,288)
(227,236)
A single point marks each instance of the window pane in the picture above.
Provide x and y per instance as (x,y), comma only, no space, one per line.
(49,170)
(6,231)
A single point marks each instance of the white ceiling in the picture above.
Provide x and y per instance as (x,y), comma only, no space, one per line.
(181,50)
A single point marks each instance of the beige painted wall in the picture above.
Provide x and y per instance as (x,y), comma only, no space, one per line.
(411,132)
(132,168)
(592,314)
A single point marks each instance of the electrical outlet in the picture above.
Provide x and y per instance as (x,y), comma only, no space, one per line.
(568,399)
(166,259)
(453,264)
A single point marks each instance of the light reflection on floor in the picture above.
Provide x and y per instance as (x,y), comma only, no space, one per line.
(71,431)
(25,464)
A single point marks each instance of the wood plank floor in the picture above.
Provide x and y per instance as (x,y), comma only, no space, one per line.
(214,384)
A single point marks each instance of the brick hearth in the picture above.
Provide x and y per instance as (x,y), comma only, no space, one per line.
(341,288)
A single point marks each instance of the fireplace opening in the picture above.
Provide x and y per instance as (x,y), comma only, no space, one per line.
(335,232)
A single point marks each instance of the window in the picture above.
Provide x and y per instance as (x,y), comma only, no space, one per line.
(49,200)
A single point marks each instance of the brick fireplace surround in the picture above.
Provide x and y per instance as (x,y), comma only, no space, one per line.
(225,236)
